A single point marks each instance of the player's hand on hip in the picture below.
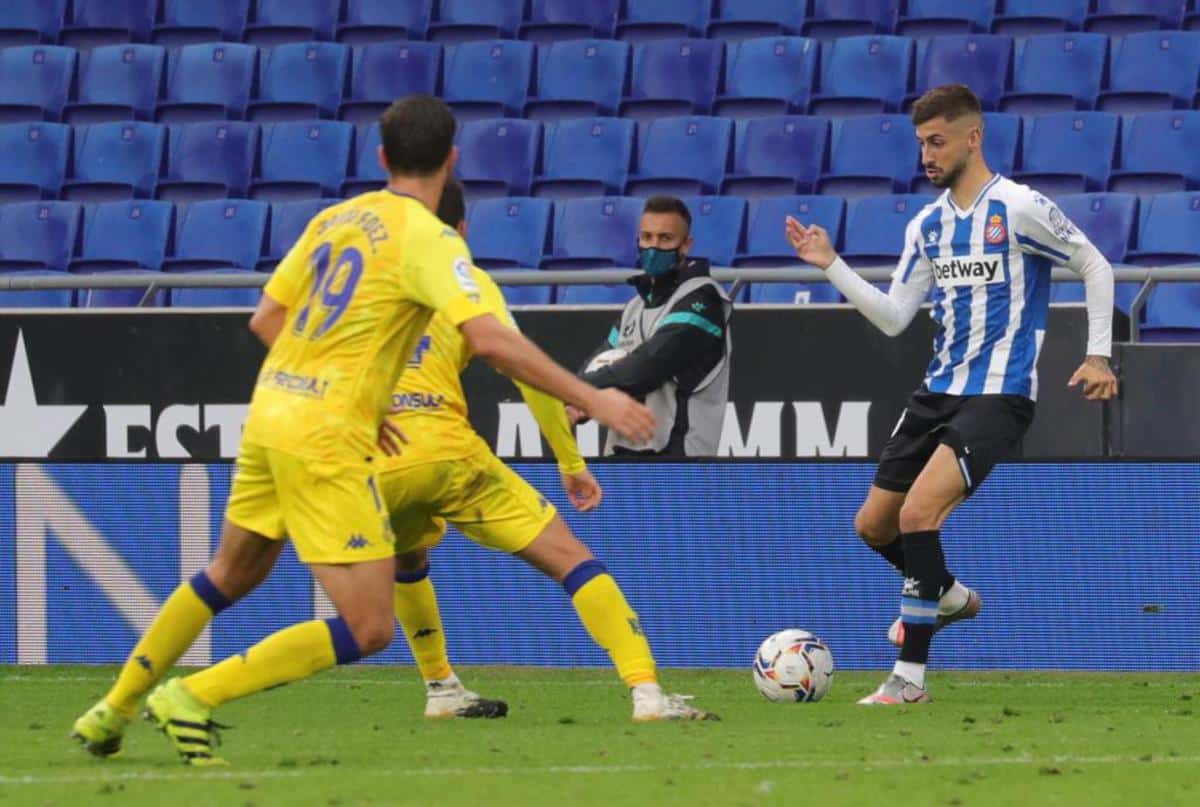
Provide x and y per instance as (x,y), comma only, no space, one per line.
(583,490)
(622,414)
(811,243)
(391,438)
(1099,382)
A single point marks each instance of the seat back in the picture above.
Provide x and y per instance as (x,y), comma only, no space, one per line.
(489,70)
(875,226)
(511,231)
(589,148)
(43,232)
(588,69)
(127,153)
(35,154)
(1107,219)
(135,230)
(687,69)
(231,230)
(504,150)
(307,151)
(603,227)
(717,225)
(980,61)
(693,147)
(36,76)
(305,72)
(123,75)
(216,151)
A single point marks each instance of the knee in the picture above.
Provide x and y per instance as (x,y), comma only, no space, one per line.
(373,635)
(918,515)
(872,530)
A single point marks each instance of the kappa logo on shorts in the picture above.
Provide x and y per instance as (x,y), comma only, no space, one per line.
(357,542)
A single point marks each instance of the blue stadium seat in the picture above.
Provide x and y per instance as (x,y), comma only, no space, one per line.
(288,220)
(1173,313)
(186,22)
(1057,73)
(117,83)
(208,82)
(766,244)
(219,234)
(31,23)
(863,75)
(875,227)
(38,235)
(1153,71)
(1021,18)
(369,21)
(596,294)
(125,235)
(35,298)
(467,20)
(931,18)
(830,20)
(116,161)
(871,154)
(1001,143)
(385,71)
(1169,232)
(35,82)
(1191,20)
(488,79)
(108,22)
(793,293)
(717,224)
(585,157)
(1160,152)
(301,80)
(770,76)
(562,20)
(1122,17)
(528,295)
(673,77)
(1108,219)
(217,297)
(508,233)
(368,173)
(579,78)
(35,160)
(209,160)
(498,157)
(748,19)
(686,155)
(1069,152)
(303,159)
(981,62)
(663,19)
(777,156)
(277,22)
(595,232)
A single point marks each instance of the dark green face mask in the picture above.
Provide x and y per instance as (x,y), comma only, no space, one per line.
(655,262)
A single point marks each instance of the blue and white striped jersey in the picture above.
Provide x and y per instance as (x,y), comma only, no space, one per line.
(989,268)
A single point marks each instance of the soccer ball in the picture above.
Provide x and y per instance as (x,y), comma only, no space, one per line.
(793,665)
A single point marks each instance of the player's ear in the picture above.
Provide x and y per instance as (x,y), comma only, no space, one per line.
(451,161)
(462,229)
(686,246)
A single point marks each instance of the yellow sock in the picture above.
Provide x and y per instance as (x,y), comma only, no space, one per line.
(288,655)
(417,612)
(180,620)
(612,624)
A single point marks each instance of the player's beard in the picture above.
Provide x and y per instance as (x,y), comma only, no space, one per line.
(948,177)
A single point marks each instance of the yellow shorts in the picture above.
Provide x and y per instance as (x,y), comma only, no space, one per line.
(479,495)
(332,512)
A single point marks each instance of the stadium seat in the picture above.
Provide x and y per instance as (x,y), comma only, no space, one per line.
(579,78)
(1122,17)
(117,83)
(186,22)
(830,20)
(219,234)
(369,21)
(508,233)
(933,18)
(673,77)
(209,160)
(302,80)
(563,20)
(498,157)
(385,71)
(528,295)
(288,220)
(488,79)
(717,224)
(1153,71)
(981,62)
(368,173)
(468,20)
(1069,152)
(1172,313)
(769,76)
(35,82)
(585,157)
(793,293)
(596,294)
(871,154)
(116,161)
(1107,219)
(108,22)
(35,298)
(35,160)
(749,19)
(687,155)
(208,82)
(1057,73)
(1169,232)
(277,22)
(863,75)
(596,232)
(38,235)
(875,227)
(766,244)
(1001,143)
(1160,152)
(31,23)
(303,159)
(1021,18)
(125,235)
(216,297)
(663,19)
(777,156)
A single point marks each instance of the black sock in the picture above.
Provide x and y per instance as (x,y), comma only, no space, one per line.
(893,553)
(926,578)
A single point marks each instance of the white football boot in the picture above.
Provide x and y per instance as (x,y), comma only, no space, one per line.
(650,703)
(449,698)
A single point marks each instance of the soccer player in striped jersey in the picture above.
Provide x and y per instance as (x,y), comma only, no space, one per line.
(985,247)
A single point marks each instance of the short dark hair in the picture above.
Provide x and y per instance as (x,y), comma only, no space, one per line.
(452,209)
(417,134)
(950,101)
(669,204)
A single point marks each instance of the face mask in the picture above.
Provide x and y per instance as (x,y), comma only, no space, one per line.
(656,262)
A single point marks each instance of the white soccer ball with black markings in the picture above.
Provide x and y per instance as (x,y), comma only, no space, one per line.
(793,665)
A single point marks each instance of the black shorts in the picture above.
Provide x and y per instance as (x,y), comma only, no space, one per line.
(982,430)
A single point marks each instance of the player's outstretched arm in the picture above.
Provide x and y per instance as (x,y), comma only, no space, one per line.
(1098,380)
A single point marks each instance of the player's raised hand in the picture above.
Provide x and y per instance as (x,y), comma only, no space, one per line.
(811,243)
(622,414)
(583,490)
(1099,383)
(391,438)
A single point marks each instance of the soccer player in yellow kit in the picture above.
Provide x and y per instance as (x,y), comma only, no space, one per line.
(445,472)
(344,310)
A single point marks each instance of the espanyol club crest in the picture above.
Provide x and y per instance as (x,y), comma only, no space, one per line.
(995,232)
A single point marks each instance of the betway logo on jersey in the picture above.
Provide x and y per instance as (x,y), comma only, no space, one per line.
(968,270)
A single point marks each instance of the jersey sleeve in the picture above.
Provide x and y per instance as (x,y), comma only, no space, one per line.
(913,270)
(1043,229)
(290,281)
(439,274)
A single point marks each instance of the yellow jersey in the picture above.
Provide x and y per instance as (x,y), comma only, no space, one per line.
(360,286)
(433,405)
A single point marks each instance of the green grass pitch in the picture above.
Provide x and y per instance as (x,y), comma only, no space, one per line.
(356,736)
